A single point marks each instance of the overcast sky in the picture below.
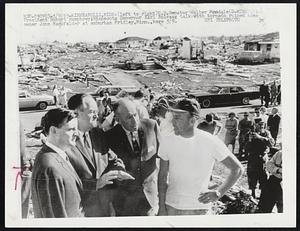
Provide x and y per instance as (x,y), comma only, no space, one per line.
(268,20)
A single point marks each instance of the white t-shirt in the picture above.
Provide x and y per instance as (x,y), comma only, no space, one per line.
(191,161)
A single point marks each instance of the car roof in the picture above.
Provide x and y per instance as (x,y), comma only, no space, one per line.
(23,91)
(226,85)
(116,86)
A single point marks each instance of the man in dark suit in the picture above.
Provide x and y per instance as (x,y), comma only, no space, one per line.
(91,158)
(56,188)
(273,123)
(136,143)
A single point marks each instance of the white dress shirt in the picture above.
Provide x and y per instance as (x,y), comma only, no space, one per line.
(129,136)
(61,153)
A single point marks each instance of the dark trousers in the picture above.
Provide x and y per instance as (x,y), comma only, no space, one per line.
(274,134)
(242,143)
(262,99)
(255,177)
(131,202)
(271,195)
(97,203)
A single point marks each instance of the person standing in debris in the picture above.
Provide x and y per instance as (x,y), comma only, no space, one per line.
(245,126)
(273,92)
(210,125)
(273,123)
(91,158)
(271,194)
(26,168)
(150,103)
(55,93)
(257,117)
(136,142)
(106,102)
(164,117)
(256,147)
(231,126)
(278,98)
(140,98)
(63,97)
(263,114)
(263,92)
(187,158)
(267,96)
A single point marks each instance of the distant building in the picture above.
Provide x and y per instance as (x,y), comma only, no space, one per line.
(161,40)
(269,49)
(186,51)
(103,44)
(131,42)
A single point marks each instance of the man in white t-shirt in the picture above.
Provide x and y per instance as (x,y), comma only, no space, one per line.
(187,159)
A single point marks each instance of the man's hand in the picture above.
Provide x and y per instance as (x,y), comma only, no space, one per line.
(106,179)
(120,163)
(124,176)
(162,211)
(207,197)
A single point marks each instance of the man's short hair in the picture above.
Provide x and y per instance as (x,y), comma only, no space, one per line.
(209,117)
(232,114)
(139,94)
(75,101)
(116,105)
(56,117)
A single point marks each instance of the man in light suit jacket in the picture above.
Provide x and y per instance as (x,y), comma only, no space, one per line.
(91,158)
(56,188)
(136,143)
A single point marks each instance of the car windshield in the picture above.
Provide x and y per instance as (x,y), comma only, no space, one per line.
(23,95)
(115,90)
(214,90)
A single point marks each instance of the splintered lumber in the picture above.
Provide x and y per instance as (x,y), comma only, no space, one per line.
(238,74)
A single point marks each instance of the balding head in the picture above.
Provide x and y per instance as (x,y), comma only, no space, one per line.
(86,109)
(126,114)
(274,110)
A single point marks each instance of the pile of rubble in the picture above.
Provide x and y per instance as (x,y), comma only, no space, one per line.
(149,65)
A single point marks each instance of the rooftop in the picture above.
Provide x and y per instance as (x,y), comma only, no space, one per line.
(127,39)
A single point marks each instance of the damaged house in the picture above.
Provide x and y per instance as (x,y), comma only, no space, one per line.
(162,40)
(131,42)
(260,50)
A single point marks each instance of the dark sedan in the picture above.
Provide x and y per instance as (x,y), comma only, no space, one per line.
(224,95)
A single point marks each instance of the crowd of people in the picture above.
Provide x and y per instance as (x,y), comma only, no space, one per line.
(270,94)
(137,156)
(60,96)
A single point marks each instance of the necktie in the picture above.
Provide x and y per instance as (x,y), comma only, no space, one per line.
(88,146)
(69,163)
(135,144)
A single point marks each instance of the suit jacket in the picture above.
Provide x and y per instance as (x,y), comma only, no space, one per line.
(144,167)
(273,123)
(95,203)
(56,188)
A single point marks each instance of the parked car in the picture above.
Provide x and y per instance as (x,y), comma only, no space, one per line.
(41,102)
(224,94)
(113,90)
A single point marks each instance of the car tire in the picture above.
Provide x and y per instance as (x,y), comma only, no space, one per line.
(42,105)
(245,100)
(206,103)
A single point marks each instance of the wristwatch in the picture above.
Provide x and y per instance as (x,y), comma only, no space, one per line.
(218,193)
